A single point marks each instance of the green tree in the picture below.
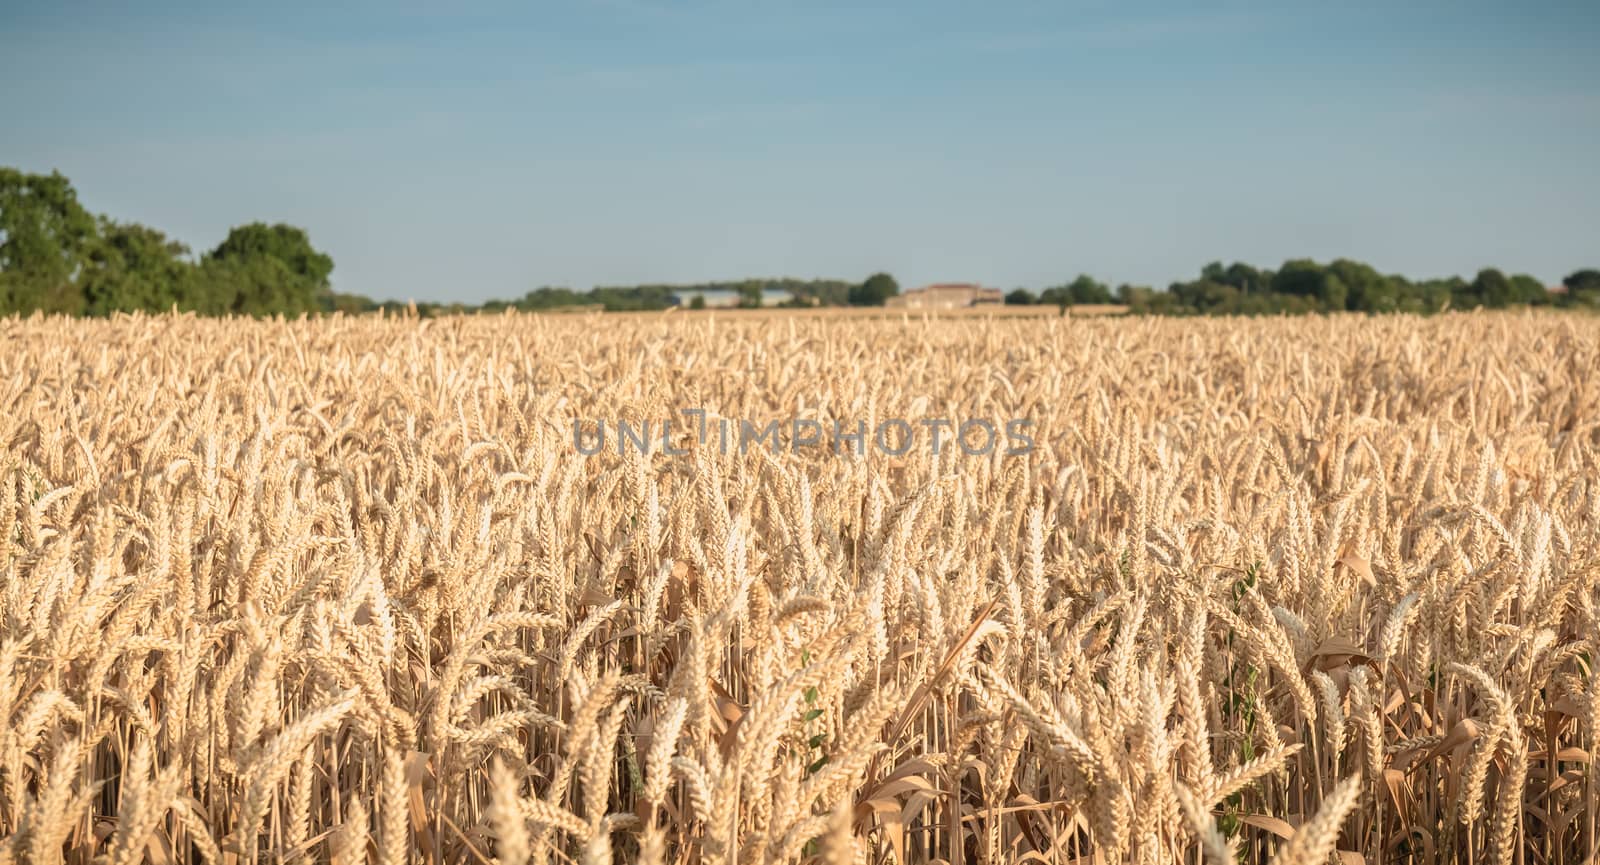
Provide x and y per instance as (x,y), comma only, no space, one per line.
(549,297)
(697,302)
(1304,278)
(1583,288)
(750,293)
(1367,290)
(1428,296)
(1248,279)
(1021,297)
(285,243)
(635,298)
(262,269)
(1448,293)
(1219,297)
(1334,294)
(45,235)
(1057,296)
(1085,289)
(1582,280)
(875,291)
(1130,295)
(1300,277)
(1088,290)
(1491,288)
(248,286)
(1529,290)
(131,267)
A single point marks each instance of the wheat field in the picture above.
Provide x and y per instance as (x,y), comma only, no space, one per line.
(348,590)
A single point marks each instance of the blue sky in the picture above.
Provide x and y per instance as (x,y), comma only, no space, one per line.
(462,155)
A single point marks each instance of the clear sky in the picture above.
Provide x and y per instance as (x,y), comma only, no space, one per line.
(462,155)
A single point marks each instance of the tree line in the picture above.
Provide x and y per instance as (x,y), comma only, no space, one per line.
(1303,286)
(57,257)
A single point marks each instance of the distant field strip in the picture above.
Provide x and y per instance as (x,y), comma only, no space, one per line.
(347,589)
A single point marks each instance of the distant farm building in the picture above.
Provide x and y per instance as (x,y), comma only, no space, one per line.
(947,295)
(725,298)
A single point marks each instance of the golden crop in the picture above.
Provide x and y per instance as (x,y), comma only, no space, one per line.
(344,590)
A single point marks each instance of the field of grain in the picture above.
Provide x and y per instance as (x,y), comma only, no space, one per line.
(347,590)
